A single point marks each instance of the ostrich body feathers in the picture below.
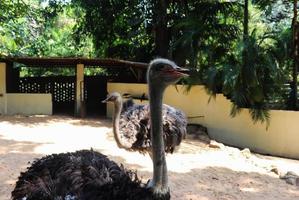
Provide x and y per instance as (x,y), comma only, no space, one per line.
(82,175)
(134,126)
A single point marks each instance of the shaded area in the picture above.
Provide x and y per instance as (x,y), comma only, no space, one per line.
(31,121)
(12,146)
(14,158)
(37,120)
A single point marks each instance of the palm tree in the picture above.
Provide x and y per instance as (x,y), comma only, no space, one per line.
(243,67)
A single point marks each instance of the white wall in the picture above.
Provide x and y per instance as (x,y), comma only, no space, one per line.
(29,104)
(279,139)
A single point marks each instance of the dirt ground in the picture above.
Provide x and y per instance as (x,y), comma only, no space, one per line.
(196,171)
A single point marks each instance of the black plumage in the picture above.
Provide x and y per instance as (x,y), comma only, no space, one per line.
(84,175)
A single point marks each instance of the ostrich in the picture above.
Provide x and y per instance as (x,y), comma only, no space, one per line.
(131,125)
(89,175)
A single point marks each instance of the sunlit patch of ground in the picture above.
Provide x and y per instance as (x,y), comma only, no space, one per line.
(196,171)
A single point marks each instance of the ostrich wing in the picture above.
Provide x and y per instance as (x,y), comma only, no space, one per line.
(174,127)
(135,127)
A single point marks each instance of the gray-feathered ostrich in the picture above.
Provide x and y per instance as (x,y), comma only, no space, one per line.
(89,175)
(131,125)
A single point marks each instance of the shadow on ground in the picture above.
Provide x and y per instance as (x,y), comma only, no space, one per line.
(36,120)
(14,158)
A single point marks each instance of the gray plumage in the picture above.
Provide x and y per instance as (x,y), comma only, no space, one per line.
(134,124)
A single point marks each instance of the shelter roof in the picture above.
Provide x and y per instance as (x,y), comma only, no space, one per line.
(72,62)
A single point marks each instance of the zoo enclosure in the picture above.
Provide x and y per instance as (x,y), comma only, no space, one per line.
(79,94)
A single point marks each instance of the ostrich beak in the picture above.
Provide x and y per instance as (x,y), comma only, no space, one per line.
(181,72)
(106,100)
(177,72)
(184,72)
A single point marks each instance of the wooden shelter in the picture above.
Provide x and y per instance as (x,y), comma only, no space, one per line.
(79,93)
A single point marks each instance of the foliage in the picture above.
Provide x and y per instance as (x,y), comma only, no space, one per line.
(255,84)
(251,68)
(118,28)
(207,35)
(258,81)
(12,28)
(40,29)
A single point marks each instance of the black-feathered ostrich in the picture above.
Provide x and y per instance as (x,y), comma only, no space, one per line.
(89,175)
(131,125)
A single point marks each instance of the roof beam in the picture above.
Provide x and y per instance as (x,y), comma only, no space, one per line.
(72,62)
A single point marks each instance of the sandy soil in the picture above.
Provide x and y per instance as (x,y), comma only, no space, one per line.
(196,171)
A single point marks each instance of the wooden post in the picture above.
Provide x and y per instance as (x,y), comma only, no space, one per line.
(3,103)
(139,75)
(79,101)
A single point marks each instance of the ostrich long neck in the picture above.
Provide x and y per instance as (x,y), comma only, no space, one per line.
(160,178)
(116,133)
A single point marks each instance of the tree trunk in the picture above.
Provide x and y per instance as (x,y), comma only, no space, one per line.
(161,31)
(294,96)
(245,39)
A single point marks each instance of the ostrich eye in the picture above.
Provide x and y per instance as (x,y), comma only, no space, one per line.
(161,67)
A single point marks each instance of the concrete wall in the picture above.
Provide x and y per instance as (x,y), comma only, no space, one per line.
(24,104)
(279,139)
(29,104)
(2,88)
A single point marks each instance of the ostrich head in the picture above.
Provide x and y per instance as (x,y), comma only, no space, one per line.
(113,97)
(164,72)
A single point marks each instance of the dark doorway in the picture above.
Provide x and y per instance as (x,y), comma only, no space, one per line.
(95,90)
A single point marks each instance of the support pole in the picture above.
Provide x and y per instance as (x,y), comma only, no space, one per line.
(3,103)
(79,101)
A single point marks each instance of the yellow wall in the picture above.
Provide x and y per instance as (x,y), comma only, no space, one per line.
(25,104)
(2,88)
(280,138)
(132,88)
(29,104)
